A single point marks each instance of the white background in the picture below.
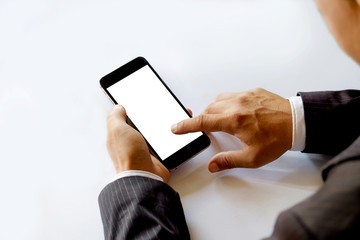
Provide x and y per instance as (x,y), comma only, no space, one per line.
(53,114)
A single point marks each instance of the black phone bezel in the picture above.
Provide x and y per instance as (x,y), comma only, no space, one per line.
(184,153)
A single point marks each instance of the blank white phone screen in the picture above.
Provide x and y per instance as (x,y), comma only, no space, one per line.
(153,110)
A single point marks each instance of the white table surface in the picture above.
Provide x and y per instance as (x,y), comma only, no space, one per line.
(53,114)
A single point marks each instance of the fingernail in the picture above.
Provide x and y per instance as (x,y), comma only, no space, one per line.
(118,106)
(214,167)
(174,128)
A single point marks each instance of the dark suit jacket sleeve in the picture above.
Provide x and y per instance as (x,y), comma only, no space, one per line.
(333,212)
(332,120)
(141,208)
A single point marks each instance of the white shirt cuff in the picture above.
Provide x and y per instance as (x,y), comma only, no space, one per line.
(298,124)
(141,173)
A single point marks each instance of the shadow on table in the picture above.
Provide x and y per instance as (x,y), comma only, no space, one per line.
(293,169)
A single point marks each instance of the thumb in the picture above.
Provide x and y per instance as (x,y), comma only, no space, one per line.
(119,112)
(243,158)
(116,117)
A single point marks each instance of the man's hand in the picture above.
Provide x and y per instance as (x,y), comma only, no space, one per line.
(260,119)
(128,149)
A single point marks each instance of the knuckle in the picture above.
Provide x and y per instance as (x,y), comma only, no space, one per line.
(206,110)
(114,128)
(117,129)
(220,96)
(258,90)
(111,119)
(227,162)
(243,99)
(237,119)
(200,121)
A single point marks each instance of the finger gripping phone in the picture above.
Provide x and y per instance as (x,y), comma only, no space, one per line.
(152,109)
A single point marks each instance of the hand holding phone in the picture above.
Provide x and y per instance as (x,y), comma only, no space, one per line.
(152,108)
(128,149)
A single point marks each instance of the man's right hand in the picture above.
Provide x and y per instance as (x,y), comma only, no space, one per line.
(260,119)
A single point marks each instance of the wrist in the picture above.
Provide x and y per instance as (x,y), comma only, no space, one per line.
(130,173)
(129,165)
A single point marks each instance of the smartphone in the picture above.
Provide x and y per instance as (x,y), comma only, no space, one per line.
(152,109)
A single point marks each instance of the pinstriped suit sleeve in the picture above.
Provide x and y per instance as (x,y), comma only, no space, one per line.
(332,120)
(141,208)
